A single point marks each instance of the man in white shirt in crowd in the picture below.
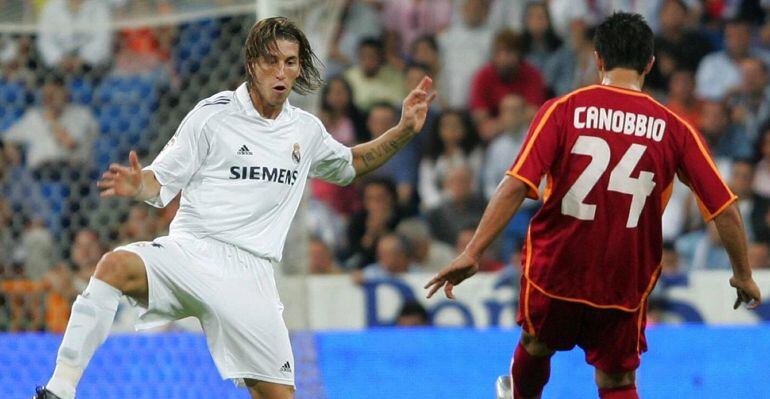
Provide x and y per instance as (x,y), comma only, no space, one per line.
(74,33)
(241,160)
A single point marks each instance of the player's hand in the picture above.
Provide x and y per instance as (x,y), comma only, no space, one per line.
(414,109)
(122,181)
(748,292)
(463,267)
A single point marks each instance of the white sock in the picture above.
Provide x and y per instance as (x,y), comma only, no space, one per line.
(92,315)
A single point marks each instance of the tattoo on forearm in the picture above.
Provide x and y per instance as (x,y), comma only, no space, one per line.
(384,150)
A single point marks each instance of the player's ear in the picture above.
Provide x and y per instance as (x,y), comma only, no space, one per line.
(599,62)
(650,63)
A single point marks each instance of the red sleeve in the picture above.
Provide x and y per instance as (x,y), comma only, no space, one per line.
(539,149)
(479,88)
(697,170)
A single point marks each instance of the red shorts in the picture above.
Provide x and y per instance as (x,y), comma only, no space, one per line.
(612,340)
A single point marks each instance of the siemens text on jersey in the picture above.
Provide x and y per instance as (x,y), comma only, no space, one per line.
(264,173)
(616,121)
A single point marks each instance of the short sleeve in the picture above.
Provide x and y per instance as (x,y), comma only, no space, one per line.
(539,149)
(332,161)
(698,171)
(180,158)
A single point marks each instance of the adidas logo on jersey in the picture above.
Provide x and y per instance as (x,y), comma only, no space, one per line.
(286,368)
(244,150)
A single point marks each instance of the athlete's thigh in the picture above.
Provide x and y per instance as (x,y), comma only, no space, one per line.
(554,323)
(244,326)
(269,390)
(176,282)
(613,341)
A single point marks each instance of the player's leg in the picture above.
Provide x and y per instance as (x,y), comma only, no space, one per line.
(269,390)
(531,367)
(616,385)
(93,313)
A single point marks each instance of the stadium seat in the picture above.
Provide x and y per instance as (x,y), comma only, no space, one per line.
(195,42)
(14,97)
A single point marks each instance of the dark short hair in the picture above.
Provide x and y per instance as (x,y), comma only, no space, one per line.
(624,40)
(373,42)
(262,41)
(508,39)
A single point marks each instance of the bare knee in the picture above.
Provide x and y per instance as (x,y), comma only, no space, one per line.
(268,390)
(121,269)
(533,346)
(615,380)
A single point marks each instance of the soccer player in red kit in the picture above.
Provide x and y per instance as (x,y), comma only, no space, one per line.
(592,255)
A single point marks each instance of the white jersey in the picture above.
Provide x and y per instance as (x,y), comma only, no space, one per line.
(242,175)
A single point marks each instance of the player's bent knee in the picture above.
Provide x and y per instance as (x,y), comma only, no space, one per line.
(533,346)
(119,269)
(614,380)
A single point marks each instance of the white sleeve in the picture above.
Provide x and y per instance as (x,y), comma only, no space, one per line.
(182,156)
(332,161)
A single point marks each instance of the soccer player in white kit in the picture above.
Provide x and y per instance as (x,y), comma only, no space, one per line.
(241,160)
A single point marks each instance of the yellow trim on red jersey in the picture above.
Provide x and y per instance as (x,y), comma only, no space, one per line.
(532,193)
(650,285)
(515,170)
(639,327)
(527,319)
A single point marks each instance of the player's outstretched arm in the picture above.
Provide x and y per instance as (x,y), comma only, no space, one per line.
(372,154)
(730,226)
(129,181)
(503,205)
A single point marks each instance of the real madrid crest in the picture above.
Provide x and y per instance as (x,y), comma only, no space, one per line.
(295,153)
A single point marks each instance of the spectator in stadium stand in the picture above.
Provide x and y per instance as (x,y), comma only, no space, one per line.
(56,136)
(540,40)
(759,255)
(564,12)
(572,66)
(506,73)
(425,52)
(487,262)
(719,73)
(681,96)
(358,20)
(141,224)
(429,253)
(461,207)
(703,250)
(725,139)
(402,168)
(412,314)
(372,79)
(750,104)
(379,216)
(146,52)
(394,257)
(347,125)
(752,206)
(451,143)
(62,42)
(677,46)
(7,241)
(405,20)
(85,252)
(503,148)
(464,47)
(35,251)
(15,59)
(761,184)
(59,294)
(320,258)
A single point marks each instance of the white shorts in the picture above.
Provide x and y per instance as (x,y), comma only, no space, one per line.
(233,294)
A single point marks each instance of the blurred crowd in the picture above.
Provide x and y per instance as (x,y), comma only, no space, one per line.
(493,62)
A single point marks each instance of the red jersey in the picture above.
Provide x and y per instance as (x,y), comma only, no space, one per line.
(610,156)
(488,89)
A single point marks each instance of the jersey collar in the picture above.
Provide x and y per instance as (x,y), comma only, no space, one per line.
(244,100)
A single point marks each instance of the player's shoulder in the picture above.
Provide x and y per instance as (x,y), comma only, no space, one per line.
(220,103)
(306,117)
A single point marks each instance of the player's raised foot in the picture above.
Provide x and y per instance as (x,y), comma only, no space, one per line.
(42,393)
(503,388)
